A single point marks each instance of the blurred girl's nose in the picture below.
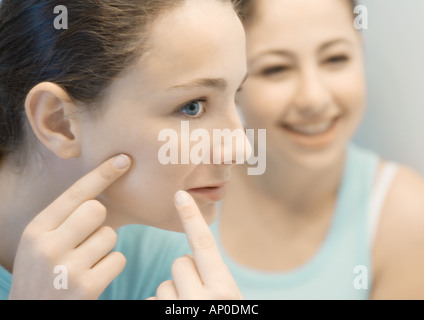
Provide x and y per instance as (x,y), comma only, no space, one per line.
(312,96)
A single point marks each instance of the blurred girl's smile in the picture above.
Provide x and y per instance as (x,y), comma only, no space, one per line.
(314,134)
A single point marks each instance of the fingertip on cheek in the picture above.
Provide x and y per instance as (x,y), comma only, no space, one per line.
(121,162)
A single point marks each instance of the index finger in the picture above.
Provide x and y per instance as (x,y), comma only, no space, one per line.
(202,242)
(87,188)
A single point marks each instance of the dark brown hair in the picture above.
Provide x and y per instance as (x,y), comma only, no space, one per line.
(246,9)
(103,39)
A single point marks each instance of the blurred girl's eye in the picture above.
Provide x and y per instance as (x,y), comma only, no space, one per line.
(337,59)
(194,109)
(276,70)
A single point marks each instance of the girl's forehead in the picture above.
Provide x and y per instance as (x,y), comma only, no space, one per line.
(186,44)
(301,24)
(293,13)
(189,38)
(187,22)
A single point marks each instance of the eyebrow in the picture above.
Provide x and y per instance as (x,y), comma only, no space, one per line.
(214,83)
(333,42)
(281,52)
(277,52)
(220,84)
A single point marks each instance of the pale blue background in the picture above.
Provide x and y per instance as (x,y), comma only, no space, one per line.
(394,42)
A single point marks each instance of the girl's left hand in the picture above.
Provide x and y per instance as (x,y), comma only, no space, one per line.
(203,276)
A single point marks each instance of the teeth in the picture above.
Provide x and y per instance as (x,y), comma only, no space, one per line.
(311,129)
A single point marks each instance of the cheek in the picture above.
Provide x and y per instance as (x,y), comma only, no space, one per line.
(145,194)
(350,93)
(263,103)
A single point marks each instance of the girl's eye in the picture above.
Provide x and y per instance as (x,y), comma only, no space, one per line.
(274,70)
(194,108)
(337,59)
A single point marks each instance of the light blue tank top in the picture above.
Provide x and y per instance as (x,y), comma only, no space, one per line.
(342,266)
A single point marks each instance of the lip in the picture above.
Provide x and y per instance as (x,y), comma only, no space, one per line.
(314,141)
(213,193)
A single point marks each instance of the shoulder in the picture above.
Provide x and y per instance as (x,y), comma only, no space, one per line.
(399,243)
(405,200)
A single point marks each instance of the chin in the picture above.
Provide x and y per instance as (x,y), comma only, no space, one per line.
(209,212)
(173,223)
(317,159)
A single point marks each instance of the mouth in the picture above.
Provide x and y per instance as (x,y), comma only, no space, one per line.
(212,193)
(313,135)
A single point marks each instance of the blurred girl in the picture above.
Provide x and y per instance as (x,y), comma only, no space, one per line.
(327,220)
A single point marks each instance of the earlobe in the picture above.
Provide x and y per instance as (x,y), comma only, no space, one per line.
(49,108)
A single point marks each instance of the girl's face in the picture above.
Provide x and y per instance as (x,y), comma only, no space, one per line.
(194,65)
(306,80)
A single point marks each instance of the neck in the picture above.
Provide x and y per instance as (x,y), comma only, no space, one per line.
(25,192)
(288,209)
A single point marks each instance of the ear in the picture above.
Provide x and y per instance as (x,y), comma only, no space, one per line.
(49,110)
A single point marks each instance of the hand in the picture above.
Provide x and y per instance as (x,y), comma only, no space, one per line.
(203,276)
(69,234)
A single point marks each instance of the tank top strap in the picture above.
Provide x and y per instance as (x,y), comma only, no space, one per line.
(379,196)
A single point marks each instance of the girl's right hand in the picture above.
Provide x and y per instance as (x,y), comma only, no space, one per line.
(203,276)
(65,251)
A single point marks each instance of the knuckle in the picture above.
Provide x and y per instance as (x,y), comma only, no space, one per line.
(120,260)
(46,249)
(180,263)
(187,214)
(109,236)
(29,235)
(96,209)
(223,291)
(205,242)
(164,287)
(109,233)
(107,173)
(86,288)
(76,194)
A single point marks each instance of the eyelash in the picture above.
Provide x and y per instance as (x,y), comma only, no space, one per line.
(337,59)
(280,69)
(274,70)
(202,101)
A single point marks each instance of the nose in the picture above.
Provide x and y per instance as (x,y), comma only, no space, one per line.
(312,97)
(230,143)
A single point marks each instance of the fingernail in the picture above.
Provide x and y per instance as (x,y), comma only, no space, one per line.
(121,162)
(182,198)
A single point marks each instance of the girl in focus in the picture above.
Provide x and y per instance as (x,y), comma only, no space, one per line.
(86,104)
